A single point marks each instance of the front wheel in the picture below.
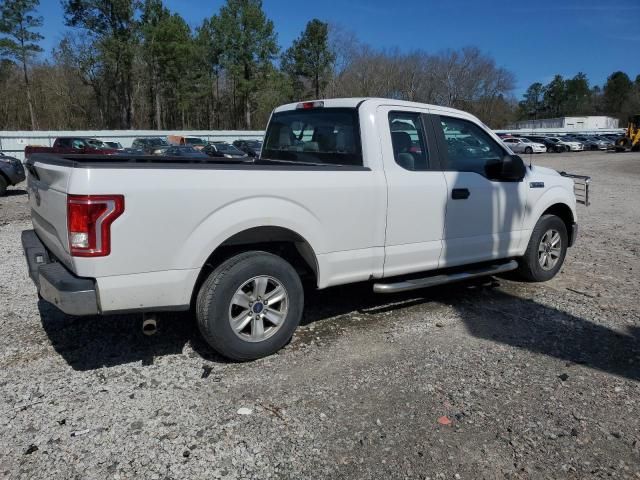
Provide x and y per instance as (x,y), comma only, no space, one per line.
(546,251)
(528,150)
(250,305)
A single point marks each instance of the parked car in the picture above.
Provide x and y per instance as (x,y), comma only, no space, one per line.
(589,143)
(77,145)
(225,150)
(250,147)
(11,172)
(183,151)
(609,144)
(149,145)
(552,146)
(195,142)
(338,197)
(524,145)
(572,145)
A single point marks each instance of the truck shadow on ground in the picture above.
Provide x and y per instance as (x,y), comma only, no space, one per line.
(487,310)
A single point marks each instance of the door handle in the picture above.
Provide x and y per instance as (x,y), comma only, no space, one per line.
(460,193)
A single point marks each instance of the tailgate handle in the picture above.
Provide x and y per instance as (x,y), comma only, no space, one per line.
(460,193)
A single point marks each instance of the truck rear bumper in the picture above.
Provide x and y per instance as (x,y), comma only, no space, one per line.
(57,285)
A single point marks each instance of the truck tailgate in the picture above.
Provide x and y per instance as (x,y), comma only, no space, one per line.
(47,185)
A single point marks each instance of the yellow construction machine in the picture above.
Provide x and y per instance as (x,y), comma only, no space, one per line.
(631,139)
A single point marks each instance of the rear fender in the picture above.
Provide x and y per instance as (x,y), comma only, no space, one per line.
(247,213)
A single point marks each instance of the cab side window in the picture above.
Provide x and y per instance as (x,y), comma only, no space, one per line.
(407,139)
(469,148)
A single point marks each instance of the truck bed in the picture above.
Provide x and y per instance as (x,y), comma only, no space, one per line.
(155,162)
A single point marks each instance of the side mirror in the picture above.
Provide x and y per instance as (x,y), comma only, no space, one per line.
(510,169)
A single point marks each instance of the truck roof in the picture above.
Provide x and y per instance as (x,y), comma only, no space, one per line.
(357,101)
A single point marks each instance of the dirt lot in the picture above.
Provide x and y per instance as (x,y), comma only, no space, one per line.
(537,381)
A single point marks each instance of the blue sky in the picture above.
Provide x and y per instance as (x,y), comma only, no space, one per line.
(533,39)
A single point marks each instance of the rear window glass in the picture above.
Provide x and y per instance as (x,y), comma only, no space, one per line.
(323,135)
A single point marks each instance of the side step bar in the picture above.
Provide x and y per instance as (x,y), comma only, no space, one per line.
(433,280)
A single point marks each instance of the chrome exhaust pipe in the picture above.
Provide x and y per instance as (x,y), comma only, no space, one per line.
(149,324)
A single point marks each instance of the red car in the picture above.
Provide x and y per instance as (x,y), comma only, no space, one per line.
(66,145)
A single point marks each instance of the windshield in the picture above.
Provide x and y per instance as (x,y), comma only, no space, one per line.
(322,135)
(156,142)
(194,141)
(525,140)
(254,143)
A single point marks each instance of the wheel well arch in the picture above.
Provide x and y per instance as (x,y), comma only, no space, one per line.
(273,239)
(563,211)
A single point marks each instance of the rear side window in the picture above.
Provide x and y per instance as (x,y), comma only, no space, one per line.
(323,135)
(407,139)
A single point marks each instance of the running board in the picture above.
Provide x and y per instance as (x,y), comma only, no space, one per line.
(434,280)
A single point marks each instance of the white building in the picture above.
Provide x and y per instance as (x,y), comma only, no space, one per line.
(568,123)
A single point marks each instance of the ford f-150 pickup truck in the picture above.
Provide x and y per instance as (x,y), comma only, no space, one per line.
(403,195)
(72,145)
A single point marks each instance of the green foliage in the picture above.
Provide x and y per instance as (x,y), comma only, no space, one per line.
(619,97)
(617,91)
(19,42)
(555,95)
(532,103)
(113,27)
(248,45)
(310,58)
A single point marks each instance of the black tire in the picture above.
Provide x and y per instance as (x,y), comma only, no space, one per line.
(530,268)
(551,149)
(528,150)
(214,302)
(3,186)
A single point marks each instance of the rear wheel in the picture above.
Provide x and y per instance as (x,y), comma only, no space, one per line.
(546,251)
(250,305)
(3,186)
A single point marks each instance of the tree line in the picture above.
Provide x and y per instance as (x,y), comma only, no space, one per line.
(619,97)
(134,64)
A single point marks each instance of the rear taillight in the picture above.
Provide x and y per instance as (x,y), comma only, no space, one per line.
(89,219)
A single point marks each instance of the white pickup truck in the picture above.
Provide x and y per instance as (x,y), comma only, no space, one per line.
(403,195)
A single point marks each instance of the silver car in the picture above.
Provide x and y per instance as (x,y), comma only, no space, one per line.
(524,145)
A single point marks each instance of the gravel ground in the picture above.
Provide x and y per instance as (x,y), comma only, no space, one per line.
(491,379)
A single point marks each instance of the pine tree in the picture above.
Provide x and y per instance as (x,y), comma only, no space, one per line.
(310,56)
(20,41)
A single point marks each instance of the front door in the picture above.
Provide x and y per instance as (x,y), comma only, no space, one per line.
(484,216)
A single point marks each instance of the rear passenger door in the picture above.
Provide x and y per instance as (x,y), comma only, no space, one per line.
(416,191)
(484,215)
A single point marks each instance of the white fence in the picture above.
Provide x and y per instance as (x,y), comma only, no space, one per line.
(13,143)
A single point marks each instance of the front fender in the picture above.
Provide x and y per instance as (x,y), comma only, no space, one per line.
(554,195)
